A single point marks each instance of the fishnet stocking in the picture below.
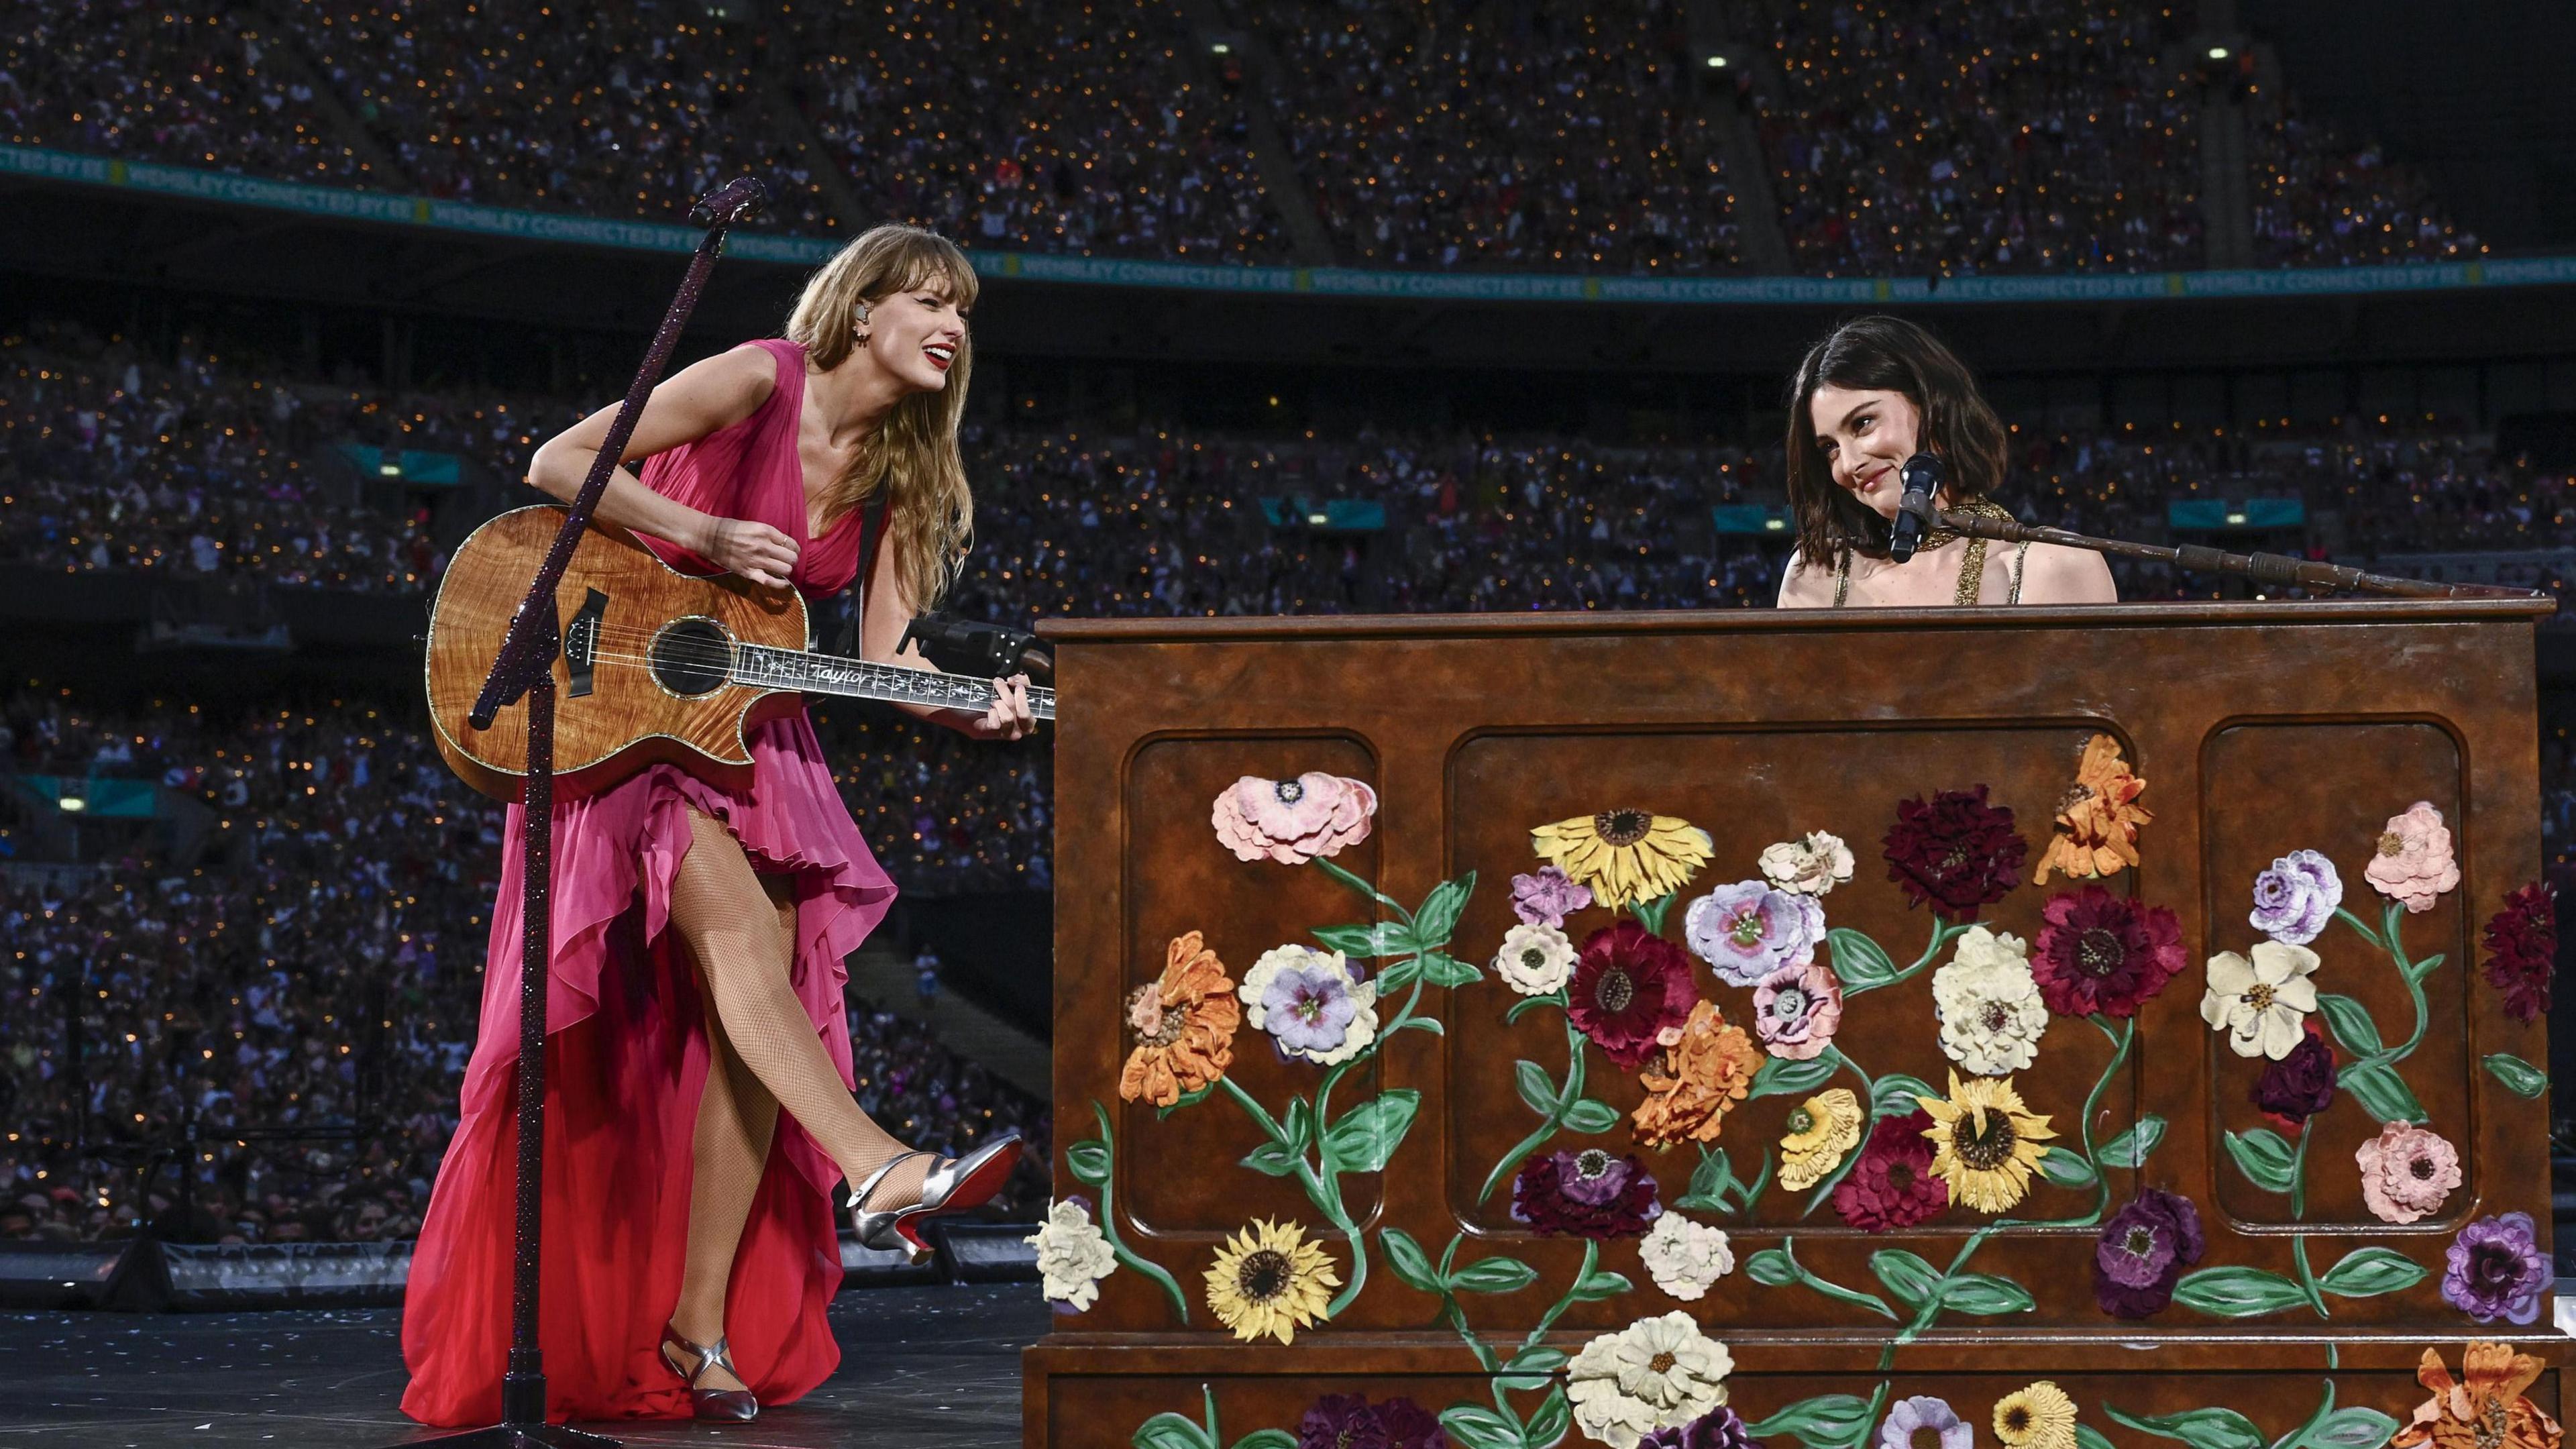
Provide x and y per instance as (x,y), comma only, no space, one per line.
(740,927)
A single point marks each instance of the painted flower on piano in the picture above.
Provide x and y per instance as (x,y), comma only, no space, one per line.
(2299,1085)
(1624,855)
(2522,950)
(2407,1172)
(1293,821)
(1547,897)
(2102,953)
(1350,1421)
(1535,959)
(1989,1004)
(1924,1415)
(1268,1281)
(1819,1134)
(1315,1004)
(1685,1257)
(1893,1185)
(1719,1428)
(2142,1251)
(2414,864)
(1657,1373)
(2097,823)
(1073,1256)
(2295,899)
(2262,1003)
(1811,865)
(2038,1417)
(1589,1193)
(2496,1270)
(1746,930)
(1184,1021)
(1629,986)
(2486,1408)
(1705,1069)
(1954,852)
(1985,1142)
(1796,1010)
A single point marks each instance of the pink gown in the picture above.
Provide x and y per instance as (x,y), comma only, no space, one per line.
(627,1050)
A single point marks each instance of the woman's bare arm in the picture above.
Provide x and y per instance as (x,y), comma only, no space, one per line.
(1802,587)
(889,612)
(2056,574)
(702,398)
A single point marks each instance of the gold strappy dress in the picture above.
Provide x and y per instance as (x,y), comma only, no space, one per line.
(1972,568)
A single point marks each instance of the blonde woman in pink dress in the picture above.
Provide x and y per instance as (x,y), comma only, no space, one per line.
(698,1071)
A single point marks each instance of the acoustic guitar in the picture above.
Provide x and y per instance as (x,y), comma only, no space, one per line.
(657,666)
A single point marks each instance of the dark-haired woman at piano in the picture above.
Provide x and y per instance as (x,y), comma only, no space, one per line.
(1872,394)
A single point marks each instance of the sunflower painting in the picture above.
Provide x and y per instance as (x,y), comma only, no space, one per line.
(2038,1417)
(1985,1142)
(1624,855)
(1268,1279)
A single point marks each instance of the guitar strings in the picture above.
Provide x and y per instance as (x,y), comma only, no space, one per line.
(645,662)
(708,654)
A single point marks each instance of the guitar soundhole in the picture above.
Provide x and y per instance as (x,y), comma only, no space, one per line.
(691,657)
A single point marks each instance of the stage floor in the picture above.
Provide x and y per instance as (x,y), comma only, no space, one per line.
(928,1368)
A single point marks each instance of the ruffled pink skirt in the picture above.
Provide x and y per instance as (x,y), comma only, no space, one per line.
(626,1058)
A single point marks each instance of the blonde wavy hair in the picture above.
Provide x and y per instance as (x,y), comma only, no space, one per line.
(912,457)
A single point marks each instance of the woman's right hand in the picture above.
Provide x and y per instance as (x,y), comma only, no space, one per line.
(756,551)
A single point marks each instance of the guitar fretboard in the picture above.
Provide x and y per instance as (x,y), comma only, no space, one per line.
(767,668)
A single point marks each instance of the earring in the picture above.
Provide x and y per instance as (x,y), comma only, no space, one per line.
(859,325)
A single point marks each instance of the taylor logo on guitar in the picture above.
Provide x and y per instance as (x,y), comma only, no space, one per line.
(657,665)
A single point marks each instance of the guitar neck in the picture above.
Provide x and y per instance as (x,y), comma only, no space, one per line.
(766,668)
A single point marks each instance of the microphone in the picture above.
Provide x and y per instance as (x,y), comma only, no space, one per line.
(1923,474)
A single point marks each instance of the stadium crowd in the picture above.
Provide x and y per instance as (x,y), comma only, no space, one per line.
(633,111)
(193,466)
(1964,136)
(2321,201)
(1039,127)
(282,1014)
(1543,135)
(1575,138)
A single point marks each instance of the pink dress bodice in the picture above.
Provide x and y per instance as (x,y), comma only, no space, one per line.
(751,470)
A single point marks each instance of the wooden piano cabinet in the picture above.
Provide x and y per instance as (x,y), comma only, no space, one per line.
(2259,730)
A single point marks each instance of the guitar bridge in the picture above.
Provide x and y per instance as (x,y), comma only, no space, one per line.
(581,643)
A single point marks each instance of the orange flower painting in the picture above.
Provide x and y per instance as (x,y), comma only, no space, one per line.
(1184,1023)
(2486,1410)
(2098,820)
(1695,1080)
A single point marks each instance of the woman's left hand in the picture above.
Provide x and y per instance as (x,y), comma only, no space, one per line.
(1009,718)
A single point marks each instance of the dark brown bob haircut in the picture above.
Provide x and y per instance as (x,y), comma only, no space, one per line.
(1893,355)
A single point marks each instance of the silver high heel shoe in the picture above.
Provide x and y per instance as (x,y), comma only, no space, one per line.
(709,1405)
(968,1182)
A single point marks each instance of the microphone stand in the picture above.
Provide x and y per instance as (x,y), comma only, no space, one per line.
(525,665)
(2276,569)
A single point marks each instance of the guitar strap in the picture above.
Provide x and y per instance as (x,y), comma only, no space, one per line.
(871,533)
